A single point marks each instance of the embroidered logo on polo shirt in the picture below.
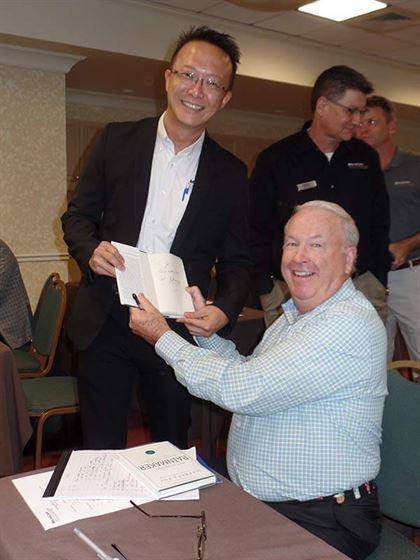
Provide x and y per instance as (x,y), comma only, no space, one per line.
(305,186)
(357,165)
(408,182)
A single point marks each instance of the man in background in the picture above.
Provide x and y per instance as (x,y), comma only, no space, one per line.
(402,176)
(323,161)
(162,185)
(308,403)
(15,309)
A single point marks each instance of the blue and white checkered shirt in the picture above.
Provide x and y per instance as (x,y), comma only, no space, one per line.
(308,403)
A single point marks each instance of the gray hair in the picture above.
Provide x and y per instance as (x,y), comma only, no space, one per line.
(350,231)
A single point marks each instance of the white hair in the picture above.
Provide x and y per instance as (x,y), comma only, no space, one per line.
(350,231)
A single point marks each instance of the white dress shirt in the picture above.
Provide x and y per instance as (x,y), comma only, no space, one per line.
(171,182)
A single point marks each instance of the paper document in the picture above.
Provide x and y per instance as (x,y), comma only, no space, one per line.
(146,472)
(54,513)
(88,474)
(159,276)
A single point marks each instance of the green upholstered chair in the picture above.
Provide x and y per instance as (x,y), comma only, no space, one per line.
(37,361)
(46,397)
(399,477)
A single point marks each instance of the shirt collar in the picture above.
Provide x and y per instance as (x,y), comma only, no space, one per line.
(292,315)
(163,137)
(307,144)
(396,160)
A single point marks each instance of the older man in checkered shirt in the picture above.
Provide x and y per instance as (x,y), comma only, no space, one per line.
(308,402)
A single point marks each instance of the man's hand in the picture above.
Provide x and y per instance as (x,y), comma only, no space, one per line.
(206,319)
(105,259)
(400,251)
(265,300)
(147,321)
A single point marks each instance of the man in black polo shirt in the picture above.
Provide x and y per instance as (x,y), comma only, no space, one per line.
(323,161)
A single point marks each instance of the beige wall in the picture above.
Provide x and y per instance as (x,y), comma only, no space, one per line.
(33,111)
(243,133)
(102,108)
(32,170)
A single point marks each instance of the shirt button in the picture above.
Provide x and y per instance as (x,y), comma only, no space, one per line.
(164,193)
(332,187)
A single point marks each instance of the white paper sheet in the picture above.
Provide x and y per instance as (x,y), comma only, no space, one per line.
(60,512)
(97,475)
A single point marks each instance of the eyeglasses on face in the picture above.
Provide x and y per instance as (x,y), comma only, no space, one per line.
(201,530)
(350,111)
(209,85)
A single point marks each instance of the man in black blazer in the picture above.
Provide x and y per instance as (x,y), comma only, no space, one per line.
(164,186)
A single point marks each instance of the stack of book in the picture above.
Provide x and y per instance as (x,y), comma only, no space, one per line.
(152,472)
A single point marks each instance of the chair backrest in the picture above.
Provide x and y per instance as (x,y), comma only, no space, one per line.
(406,367)
(399,476)
(49,314)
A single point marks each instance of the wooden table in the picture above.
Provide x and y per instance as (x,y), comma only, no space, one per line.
(239,527)
(15,427)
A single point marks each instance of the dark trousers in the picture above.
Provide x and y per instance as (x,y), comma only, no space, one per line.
(352,527)
(108,371)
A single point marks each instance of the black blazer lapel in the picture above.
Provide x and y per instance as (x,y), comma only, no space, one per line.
(199,195)
(143,149)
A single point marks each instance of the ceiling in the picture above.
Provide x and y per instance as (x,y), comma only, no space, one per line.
(392,34)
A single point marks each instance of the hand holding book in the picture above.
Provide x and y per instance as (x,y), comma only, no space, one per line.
(160,276)
(146,321)
(106,259)
(205,320)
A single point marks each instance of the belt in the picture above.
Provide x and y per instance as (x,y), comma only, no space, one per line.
(409,264)
(355,493)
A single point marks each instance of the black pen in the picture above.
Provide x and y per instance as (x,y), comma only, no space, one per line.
(136,299)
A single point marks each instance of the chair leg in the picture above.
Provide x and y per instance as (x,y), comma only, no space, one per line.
(38,440)
(41,419)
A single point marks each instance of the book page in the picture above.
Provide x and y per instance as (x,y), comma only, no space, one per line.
(170,282)
(98,474)
(129,281)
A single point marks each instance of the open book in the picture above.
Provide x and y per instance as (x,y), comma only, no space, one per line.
(159,276)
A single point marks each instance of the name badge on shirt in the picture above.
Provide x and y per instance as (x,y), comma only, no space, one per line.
(306,186)
(397,183)
(357,165)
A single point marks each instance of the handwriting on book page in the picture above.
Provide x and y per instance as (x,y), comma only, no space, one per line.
(168,276)
(97,474)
